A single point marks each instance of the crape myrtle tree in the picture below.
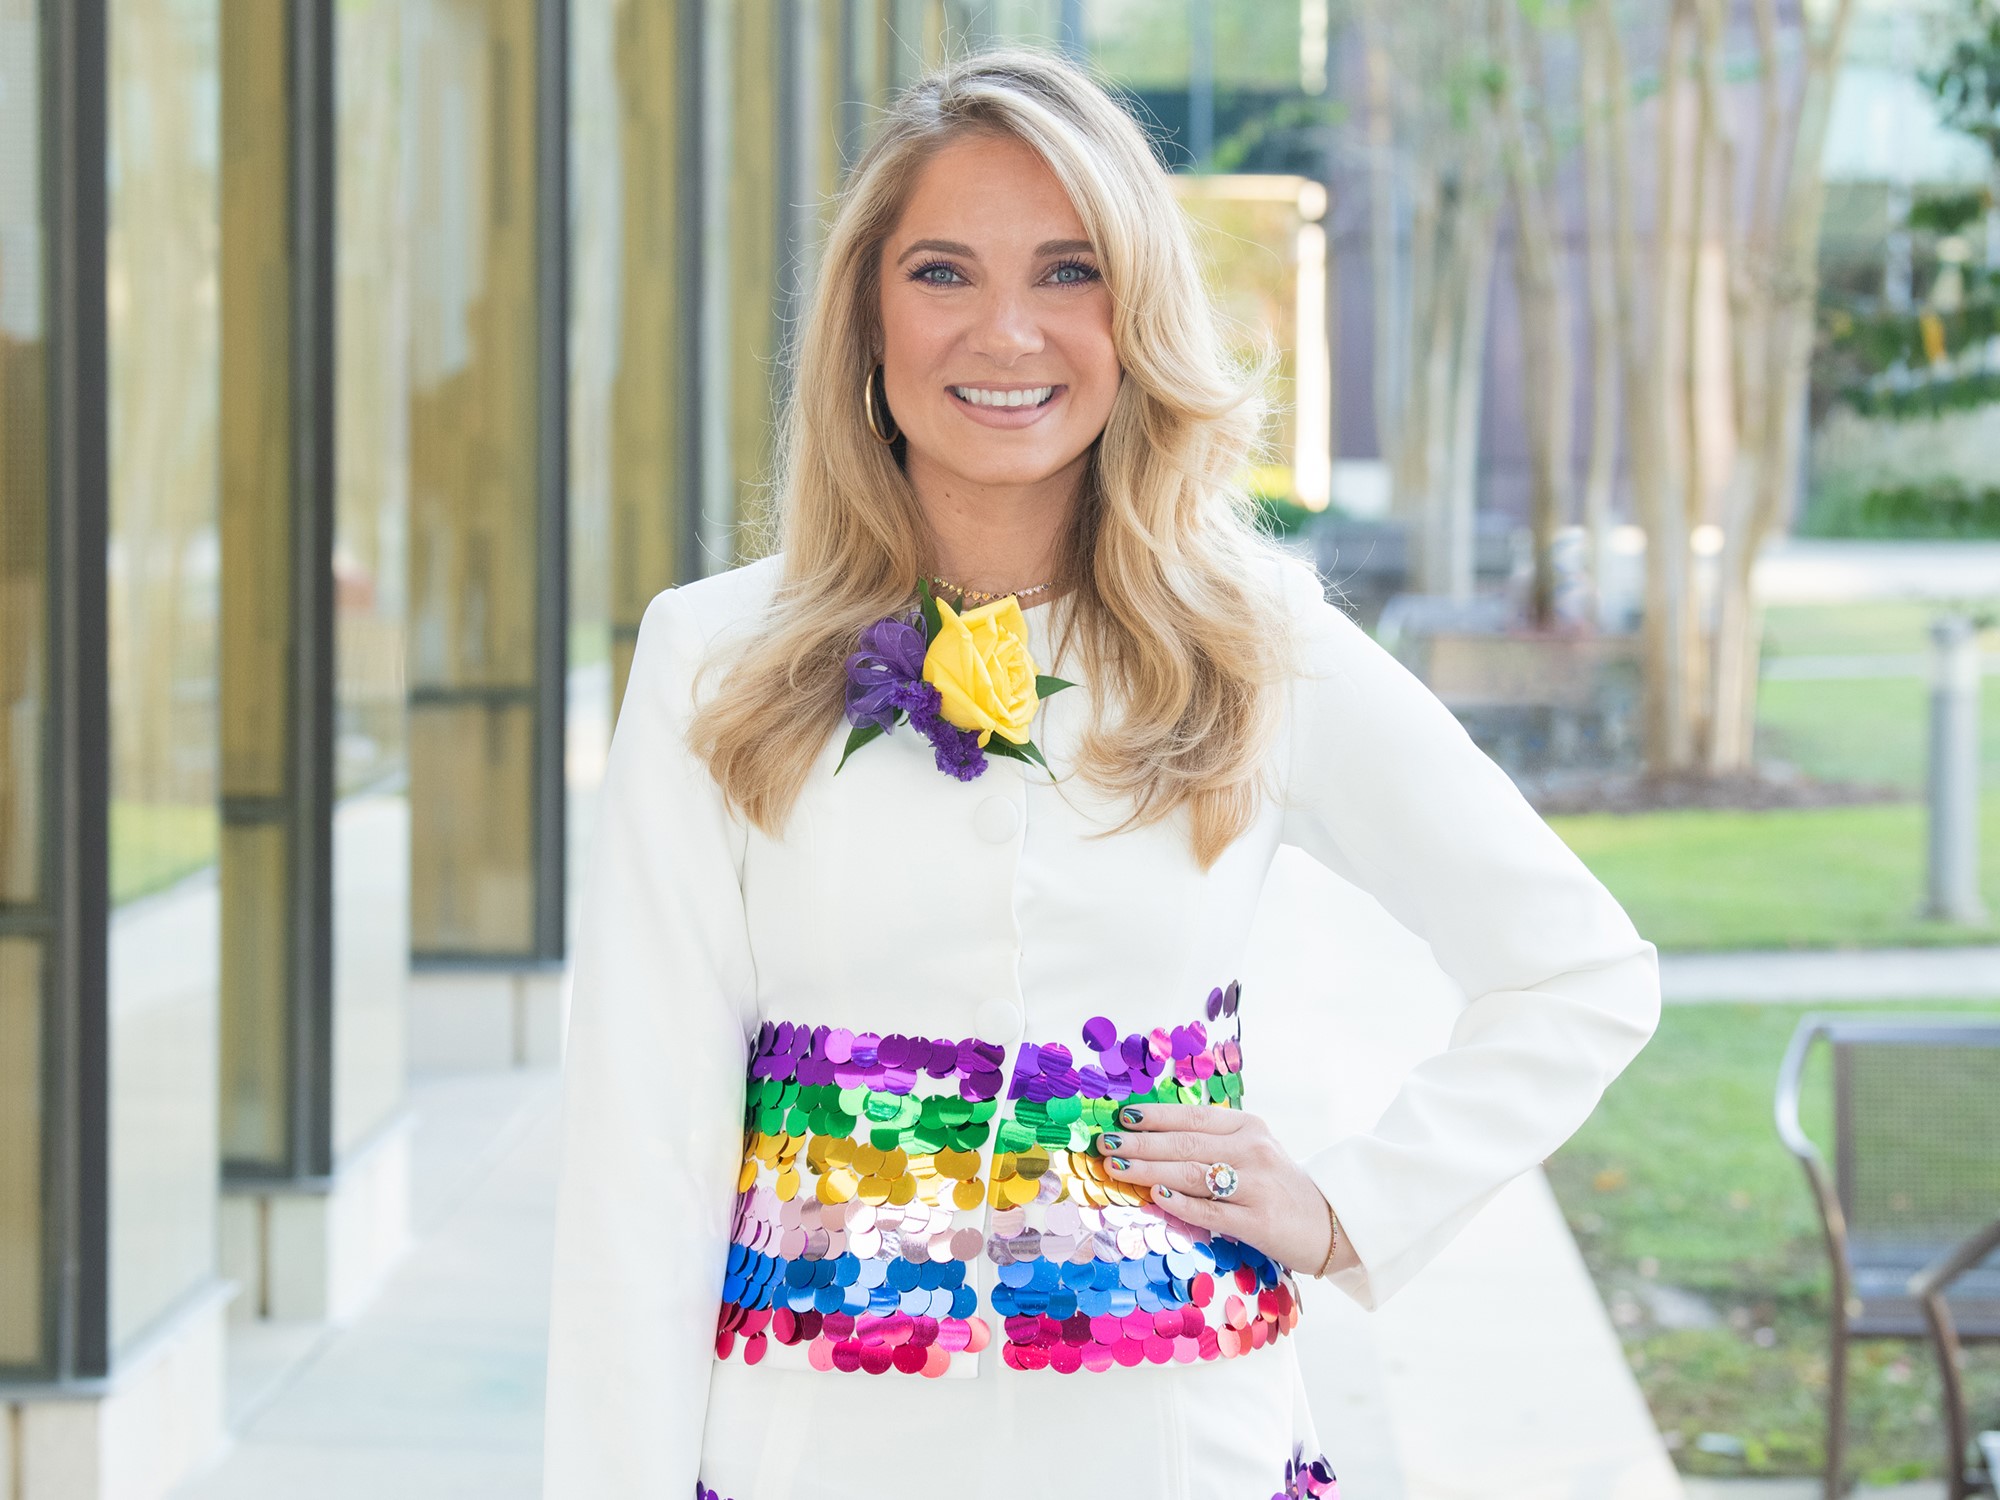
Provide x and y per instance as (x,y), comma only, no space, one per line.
(1673,147)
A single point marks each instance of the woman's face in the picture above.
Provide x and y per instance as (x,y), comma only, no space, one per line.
(991,292)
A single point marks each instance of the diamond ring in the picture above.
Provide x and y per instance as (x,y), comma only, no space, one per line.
(1221,1180)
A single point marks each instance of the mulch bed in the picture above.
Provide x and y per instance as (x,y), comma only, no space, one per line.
(1764,789)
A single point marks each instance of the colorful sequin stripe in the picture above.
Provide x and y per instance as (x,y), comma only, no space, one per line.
(1092,1273)
(1304,1480)
(850,1246)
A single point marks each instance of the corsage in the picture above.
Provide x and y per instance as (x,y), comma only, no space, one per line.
(965,681)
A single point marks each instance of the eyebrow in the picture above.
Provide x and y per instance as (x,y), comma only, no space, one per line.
(954,247)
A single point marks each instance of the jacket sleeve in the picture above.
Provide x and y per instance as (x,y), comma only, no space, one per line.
(1386,789)
(652,1132)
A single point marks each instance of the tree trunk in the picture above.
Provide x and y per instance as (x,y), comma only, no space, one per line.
(1391,352)
(1643,306)
(1732,655)
(1601,463)
(1478,230)
(1547,374)
(1785,352)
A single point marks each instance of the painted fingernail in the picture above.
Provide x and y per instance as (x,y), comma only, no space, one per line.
(1130,1116)
(1111,1139)
(1121,1164)
(1163,1190)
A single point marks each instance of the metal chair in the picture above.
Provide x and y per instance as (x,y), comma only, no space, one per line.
(1916,1115)
(1931,1287)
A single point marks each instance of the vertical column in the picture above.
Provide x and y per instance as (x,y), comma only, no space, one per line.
(1952,785)
(71,755)
(488,539)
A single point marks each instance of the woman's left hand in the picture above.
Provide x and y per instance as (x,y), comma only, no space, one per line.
(1276,1207)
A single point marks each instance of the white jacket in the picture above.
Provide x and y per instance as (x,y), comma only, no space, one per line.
(718,1207)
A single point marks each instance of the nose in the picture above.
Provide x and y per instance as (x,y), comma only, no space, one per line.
(1005,328)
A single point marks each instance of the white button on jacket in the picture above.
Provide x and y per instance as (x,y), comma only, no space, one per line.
(830,1190)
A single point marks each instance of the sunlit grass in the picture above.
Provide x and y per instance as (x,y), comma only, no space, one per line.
(1888,625)
(1808,878)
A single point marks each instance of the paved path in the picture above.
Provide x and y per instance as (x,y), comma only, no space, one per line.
(1805,1489)
(1821,668)
(1885,974)
(1805,570)
(435,1391)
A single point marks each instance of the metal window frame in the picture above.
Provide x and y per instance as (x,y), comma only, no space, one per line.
(690,263)
(310,63)
(77,763)
(550,812)
(305,808)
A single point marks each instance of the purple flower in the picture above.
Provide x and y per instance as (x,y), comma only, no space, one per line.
(957,750)
(885,680)
(879,675)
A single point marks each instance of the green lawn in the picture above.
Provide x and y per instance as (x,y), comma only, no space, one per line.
(1678,1181)
(1817,878)
(1807,878)
(1864,729)
(1850,629)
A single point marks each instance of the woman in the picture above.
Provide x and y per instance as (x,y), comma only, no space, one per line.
(931,842)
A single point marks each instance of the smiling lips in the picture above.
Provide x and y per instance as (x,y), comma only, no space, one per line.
(1004,397)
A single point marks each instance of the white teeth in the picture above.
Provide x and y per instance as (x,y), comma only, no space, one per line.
(978,397)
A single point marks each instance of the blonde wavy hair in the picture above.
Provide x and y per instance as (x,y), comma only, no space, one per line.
(1166,565)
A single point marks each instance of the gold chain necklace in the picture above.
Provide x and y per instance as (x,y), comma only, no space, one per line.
(980,596)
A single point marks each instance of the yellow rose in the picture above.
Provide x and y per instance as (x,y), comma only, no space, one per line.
(979,664)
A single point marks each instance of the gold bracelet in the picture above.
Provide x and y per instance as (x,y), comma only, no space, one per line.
(1333,1243)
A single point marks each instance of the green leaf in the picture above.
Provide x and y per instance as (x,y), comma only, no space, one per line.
(860,735)
(933,622)
(1046,685)
(1011,751)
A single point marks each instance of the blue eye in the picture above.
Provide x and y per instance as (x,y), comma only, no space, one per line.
(922,272)
(1089,272)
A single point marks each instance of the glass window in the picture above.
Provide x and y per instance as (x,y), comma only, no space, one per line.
(24,668)
(474,459)
(161,302)
(371,820)
(623,354)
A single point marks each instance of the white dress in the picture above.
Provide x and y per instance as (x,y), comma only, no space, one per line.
(832,1220)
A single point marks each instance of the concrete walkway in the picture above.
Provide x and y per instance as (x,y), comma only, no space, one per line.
(435,1391)
(1805,1489)
(1809,570)
(1885,974)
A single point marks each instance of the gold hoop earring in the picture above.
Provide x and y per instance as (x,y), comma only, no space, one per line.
(868,410)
